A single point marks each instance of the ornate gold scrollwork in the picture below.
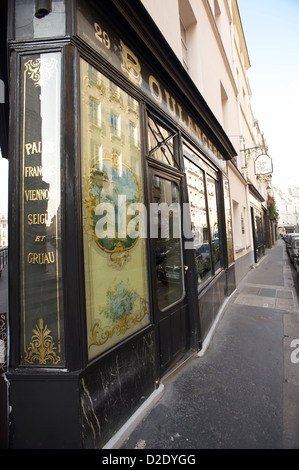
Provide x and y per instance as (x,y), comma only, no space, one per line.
(125,308)
(98,180)
(40,70)
(42,348)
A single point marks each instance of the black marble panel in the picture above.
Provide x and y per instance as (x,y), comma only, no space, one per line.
(113,388)
(210,302)
(231,280)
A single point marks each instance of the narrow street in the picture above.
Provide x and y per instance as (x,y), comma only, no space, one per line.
(244,392)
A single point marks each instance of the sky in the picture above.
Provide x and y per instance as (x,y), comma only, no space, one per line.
(271,29)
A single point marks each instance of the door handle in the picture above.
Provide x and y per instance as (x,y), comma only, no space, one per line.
(186,269)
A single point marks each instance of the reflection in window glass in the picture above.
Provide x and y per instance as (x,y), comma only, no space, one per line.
(258,228)
(214,222)
(161,143)
(168,247)
(199,222)
(42,332)
(228,223)
(112,188)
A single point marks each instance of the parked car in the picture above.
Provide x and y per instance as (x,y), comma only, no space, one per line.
(288,240)
(294,250)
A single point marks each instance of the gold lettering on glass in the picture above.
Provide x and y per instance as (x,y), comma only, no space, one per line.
(155,90)
(40,267)
(130,64)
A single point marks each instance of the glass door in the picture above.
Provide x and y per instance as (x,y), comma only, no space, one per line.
(168,270)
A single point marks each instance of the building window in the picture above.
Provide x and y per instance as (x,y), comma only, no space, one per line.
(217,14)
(188,40)
(133,133)
(224,106)
(115,123)
(242,224)
(94,111)
(184,45)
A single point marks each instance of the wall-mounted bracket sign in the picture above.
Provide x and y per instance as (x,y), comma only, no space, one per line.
(42,342)
(263,165)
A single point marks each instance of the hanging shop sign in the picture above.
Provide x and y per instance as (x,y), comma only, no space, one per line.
(263,165)
(40,237)
(116,51)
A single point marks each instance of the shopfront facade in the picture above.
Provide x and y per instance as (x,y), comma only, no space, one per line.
(258,220)
(123,250)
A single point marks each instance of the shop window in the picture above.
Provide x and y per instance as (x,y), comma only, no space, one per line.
(199,221)
(214,222)
(115,261)
(228,222)
(161,143)
(203,203)
(41,302)
(168,245)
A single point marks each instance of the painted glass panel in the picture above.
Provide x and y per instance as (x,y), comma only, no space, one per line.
(42,332)
(113,213)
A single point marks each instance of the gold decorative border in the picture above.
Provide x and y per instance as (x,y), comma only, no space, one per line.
(41,70)
(99,335)
(33,70)
(119,255)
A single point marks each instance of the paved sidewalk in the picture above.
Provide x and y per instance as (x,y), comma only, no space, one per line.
(244,391)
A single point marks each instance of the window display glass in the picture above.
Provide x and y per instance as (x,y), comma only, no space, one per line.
(199,221)
(168,244)
(228,222)
(42,331)
(113,213)
(203,203)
